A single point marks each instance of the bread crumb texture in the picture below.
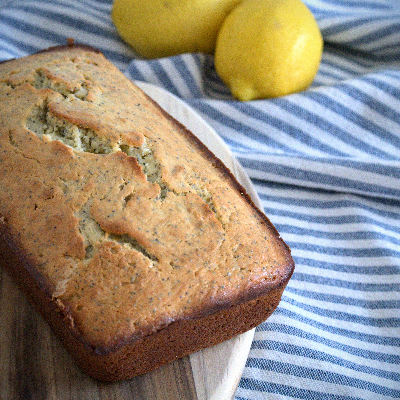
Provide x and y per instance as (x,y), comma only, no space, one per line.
(127,219)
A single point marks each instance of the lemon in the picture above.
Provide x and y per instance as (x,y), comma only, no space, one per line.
(268,48)
(161,28)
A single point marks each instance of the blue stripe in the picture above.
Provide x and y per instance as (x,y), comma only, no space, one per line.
(349,218)
(158,70)
(345,300)
(102,2)
(357,119)
(351,4)
(381,108)
(289,128)
(318,375)
(348,267)
(373,166)
(348,236)
(346,59)
(308,176)
(377,34)
(343,346)
(367,252)
(357,286)
(23,48)
(391,72)
(239,126)
(387,52)
(351,54)
(324,74)
(389,322)
(314,354)
(54,38)
(7,52)
(286,390)
(74,8)
(375,206)
(187,76)
(333,129)
(103,7)
(77,21)
(348,25)
(353,70)
(384,86)
(135,73)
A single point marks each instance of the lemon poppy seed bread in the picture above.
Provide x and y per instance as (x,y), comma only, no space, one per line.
(134,242)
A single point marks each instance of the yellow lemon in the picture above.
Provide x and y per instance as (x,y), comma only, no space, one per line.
(160,28)
(268,48)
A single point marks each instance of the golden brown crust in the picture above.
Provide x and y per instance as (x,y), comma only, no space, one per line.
(141,355)
(127,231)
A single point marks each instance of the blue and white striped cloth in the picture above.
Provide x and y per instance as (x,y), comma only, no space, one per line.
(326,165)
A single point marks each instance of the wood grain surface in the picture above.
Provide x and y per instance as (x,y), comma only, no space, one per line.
(34,365)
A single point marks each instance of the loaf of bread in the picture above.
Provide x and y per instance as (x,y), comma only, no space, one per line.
(133,241)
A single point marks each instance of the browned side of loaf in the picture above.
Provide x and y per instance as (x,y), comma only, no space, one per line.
(238,295)
(139,356)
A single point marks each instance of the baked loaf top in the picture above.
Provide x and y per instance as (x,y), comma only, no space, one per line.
(128,221)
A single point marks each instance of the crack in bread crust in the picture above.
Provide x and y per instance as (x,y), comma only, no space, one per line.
(43,123)
(134,223)
(42,81)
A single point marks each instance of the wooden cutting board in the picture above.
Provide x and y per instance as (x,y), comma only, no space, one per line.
(33,364)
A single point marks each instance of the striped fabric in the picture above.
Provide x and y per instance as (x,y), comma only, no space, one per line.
(326,165)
